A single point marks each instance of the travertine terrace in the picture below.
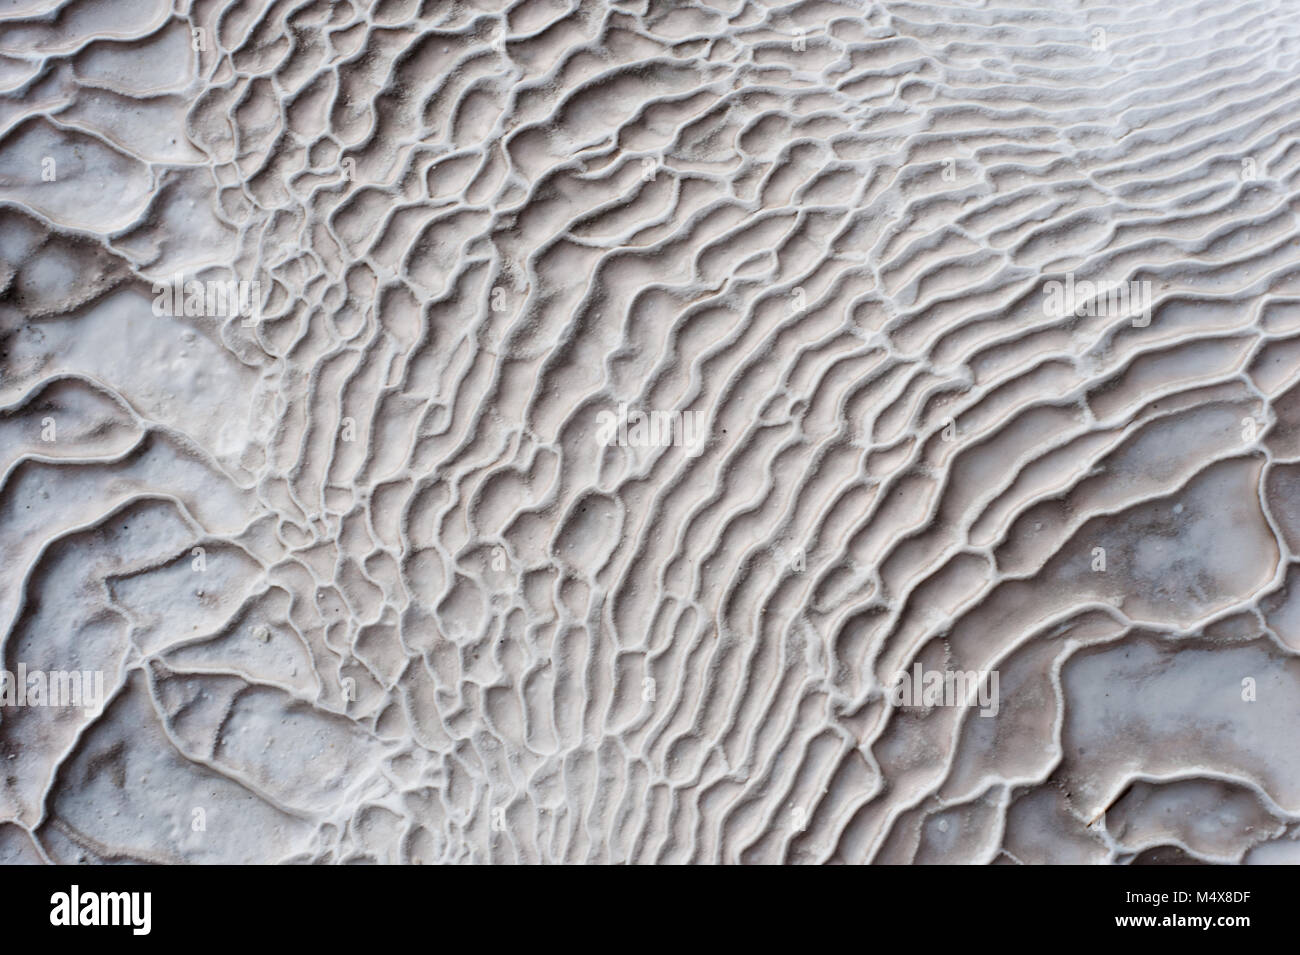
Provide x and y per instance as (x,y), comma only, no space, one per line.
(381,561)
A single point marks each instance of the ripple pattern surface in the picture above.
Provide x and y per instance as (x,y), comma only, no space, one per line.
(633,391)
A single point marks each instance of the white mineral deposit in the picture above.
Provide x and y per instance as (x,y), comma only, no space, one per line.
(649,431)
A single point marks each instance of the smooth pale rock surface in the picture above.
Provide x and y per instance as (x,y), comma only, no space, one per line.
(396,571)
